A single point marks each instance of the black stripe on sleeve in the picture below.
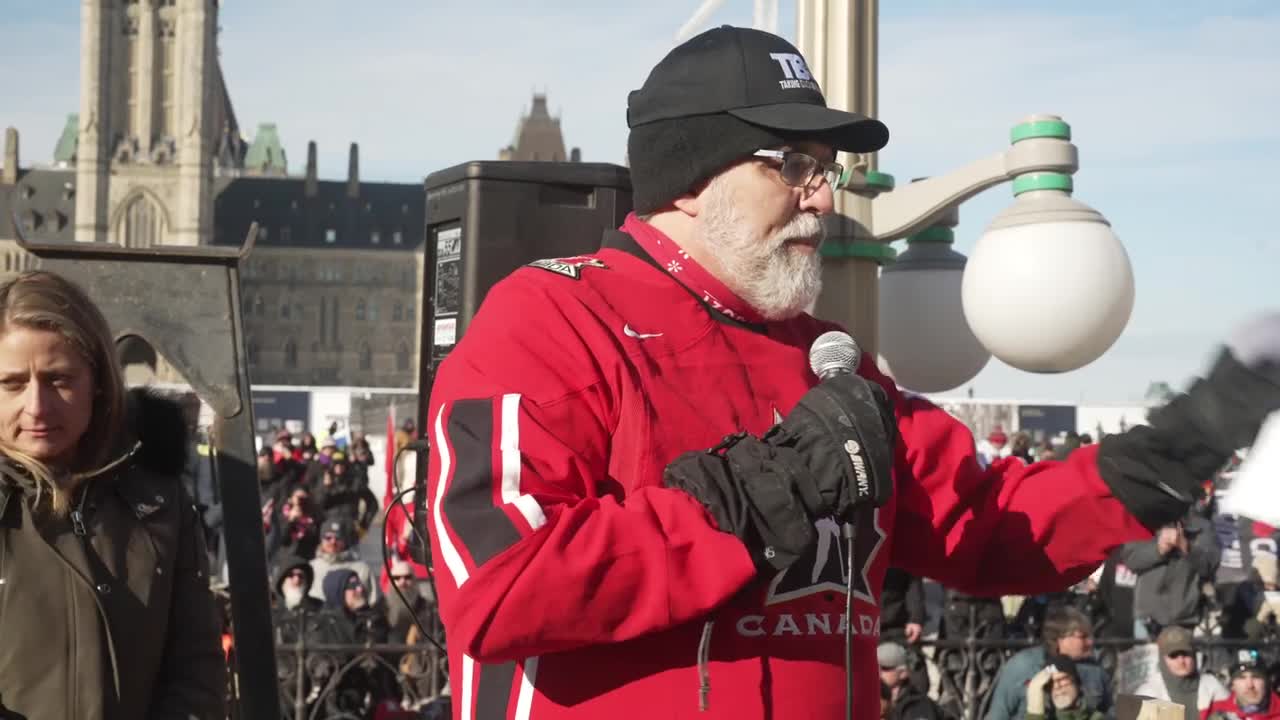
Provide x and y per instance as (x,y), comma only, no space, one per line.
(483,527)
(495,691)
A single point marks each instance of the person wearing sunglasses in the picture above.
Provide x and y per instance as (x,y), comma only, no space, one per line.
(640,494)
(1179,678)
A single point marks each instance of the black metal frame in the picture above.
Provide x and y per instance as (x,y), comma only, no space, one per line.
(185,302)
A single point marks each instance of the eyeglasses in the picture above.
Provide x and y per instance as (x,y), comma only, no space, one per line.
(799,169)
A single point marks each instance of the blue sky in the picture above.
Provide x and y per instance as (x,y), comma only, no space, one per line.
(1173,106)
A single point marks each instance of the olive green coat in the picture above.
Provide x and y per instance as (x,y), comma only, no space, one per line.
(107,614)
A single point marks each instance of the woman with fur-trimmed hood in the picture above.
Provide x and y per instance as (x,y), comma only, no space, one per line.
(105,608)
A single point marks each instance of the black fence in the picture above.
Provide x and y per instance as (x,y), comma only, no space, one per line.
(345,681)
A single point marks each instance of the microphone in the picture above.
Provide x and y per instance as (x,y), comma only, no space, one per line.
(834,353)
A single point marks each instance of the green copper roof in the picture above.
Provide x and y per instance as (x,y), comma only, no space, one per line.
(266,154)
(65,150)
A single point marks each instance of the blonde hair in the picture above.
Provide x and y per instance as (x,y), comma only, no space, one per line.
(41,300)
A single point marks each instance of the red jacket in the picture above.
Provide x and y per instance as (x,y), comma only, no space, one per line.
(1229,710)
(573,585)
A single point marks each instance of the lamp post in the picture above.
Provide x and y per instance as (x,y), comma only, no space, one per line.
(1047,258)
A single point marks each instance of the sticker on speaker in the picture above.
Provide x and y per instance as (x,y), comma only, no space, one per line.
(446,332)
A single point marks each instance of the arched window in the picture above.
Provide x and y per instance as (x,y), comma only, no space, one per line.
(141,223)
(366,356)
(402,356)
(290,353)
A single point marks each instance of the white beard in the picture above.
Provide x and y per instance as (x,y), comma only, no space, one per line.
(778,280)
(410,593)
(292,596)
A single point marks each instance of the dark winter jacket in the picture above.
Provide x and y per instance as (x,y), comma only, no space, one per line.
(111,618)
(1168,589)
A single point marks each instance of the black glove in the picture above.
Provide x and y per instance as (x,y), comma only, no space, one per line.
(751,490)
(844,430)
(834,452)
(1157,470)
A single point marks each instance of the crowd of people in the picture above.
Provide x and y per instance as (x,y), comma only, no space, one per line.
(1203,591)
(1210,575)
(317,508)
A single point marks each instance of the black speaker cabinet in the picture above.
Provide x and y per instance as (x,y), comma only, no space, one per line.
(486,219)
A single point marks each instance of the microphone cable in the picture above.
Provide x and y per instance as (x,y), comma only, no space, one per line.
(846,530)
(386,555)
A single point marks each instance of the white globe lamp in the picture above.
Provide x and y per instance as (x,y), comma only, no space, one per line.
(925,343)
(1048,287)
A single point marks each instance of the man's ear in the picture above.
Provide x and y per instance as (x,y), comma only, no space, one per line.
(691,202)
(688,204)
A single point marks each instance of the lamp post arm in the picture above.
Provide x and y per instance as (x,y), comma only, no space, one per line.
(913,207)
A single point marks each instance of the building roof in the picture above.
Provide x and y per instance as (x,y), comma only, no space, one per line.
(44,202)
(65,150)
(331,218)
(266,154)
(538,135)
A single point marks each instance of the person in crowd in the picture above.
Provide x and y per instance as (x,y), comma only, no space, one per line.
(105,606)
(1252,697)
(1021,447)
(994,447)
(636,466)
(295,527)
(907,701)
(349,618)
(1055,692)
(1116,587)
(1171,570)
(293,607)
(336,552)
(414,599)
(1179,680)
(1066,633)
(902,617)
(1261,597)
(342,495)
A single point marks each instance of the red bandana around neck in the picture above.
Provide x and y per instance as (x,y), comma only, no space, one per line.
(687,270)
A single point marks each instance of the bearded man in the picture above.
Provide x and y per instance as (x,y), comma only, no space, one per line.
(594,559)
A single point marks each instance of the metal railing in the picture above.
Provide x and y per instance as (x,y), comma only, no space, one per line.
(345,681)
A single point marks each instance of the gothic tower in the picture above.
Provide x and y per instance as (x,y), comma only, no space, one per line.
(154,120)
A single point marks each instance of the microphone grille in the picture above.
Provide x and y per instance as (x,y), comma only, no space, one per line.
(832,353)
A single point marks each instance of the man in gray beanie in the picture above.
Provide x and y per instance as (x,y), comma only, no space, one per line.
(645,504)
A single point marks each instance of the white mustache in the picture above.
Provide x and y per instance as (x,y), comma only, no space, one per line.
(804,227)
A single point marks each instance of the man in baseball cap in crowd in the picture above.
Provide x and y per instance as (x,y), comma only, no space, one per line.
(638,484)
(1179,680)
(906,702)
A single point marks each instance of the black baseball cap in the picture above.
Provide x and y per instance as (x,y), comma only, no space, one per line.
(756,77)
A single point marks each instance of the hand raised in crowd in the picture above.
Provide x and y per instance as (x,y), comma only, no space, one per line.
(1169,539)
(913,632)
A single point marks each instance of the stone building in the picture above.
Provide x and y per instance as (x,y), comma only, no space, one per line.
(538,137)
(331,293)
